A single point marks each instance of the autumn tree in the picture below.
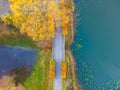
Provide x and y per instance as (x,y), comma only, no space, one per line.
(66,14)
(36,18)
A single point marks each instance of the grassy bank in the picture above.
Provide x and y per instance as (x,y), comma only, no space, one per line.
(39,78)
(71,82)
(14,38)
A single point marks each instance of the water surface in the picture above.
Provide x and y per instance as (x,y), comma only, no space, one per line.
(98,61)
(16,57)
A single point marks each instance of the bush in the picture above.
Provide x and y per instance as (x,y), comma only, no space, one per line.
(20,74)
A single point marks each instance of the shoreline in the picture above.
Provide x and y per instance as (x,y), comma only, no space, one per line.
(72,71)
(70,58)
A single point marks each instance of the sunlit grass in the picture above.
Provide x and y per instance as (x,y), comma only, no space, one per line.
(39,78)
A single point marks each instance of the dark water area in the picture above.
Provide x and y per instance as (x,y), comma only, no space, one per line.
(16,57)
(98,61)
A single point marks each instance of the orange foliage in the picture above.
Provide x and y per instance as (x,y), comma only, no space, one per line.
(64,69)
(52,69)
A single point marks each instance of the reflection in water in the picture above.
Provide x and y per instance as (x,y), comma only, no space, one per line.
(16,57)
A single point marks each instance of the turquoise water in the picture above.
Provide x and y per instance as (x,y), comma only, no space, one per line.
(16,57)
(98,32)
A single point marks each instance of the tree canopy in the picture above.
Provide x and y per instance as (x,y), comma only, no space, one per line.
(37,18)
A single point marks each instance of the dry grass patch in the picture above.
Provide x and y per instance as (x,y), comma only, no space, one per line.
(8,83)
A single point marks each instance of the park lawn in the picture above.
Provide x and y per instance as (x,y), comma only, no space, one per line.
(39,78)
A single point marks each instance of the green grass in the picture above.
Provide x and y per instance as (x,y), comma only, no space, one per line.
(39,78)
(52,62)
(64,86)
(16,39)
(51,85)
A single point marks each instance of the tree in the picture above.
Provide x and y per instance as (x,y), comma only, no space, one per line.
(36,18)
(67,11)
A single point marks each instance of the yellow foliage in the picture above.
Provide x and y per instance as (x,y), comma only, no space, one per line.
(54,10)
(64,69)
(38,18)
(65,19)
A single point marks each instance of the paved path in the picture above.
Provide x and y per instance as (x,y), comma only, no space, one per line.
(58,55)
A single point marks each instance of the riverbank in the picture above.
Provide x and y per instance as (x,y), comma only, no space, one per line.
(71,82)
(70,12)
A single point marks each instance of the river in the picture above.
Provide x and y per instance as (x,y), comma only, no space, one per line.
(98,61)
